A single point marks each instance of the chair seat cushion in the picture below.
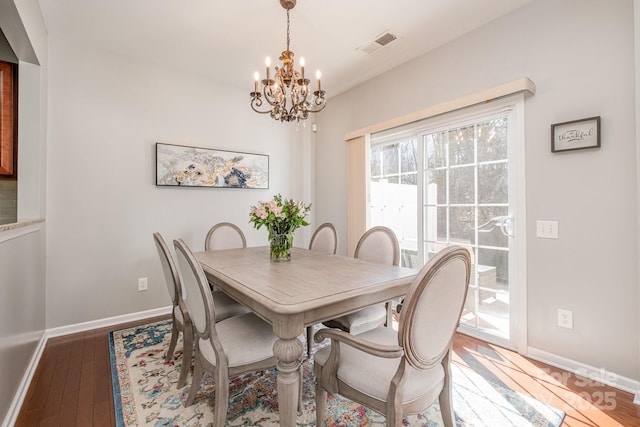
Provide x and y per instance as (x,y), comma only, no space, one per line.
(361,321)
(246,339)
(372,375)
(226,306)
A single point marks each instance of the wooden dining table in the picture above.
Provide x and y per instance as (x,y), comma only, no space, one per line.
(310,288)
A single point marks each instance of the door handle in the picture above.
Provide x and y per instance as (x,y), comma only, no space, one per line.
(507,226)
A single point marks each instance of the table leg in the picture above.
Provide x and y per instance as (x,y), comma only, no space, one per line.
(289,353)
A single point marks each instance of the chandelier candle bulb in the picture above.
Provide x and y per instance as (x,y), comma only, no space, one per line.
(318,75)
(256,77)
(267,62)
(302,67)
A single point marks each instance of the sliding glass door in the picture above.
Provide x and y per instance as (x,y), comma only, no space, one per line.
(452,182)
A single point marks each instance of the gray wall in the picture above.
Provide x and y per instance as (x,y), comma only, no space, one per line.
(22,258)
(106,113)
(580,55)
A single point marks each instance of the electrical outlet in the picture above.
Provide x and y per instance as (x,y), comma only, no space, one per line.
(565,318)
(143,284)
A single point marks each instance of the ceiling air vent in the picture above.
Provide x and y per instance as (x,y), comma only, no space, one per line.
(382,40)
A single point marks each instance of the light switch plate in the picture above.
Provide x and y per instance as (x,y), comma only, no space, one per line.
(547,229)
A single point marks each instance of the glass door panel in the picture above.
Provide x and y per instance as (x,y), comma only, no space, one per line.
(466,203)
(393,194)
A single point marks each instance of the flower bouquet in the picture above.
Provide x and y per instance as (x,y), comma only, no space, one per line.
(281,217)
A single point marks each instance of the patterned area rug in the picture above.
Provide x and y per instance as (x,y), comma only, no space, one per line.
(145,394)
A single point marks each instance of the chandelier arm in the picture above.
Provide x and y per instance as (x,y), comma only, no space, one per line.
(319,101)
(260,112)
(269,97)
(317,110)
(271,101)
(256,103)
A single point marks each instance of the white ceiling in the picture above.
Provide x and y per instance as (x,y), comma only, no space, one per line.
(228,41)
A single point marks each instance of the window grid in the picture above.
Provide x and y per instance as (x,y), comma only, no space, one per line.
(436,241)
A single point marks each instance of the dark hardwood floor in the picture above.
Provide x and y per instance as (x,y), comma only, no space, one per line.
(72,384)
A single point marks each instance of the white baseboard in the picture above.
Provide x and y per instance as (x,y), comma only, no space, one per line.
(23,387)
(597,374)
(109,321)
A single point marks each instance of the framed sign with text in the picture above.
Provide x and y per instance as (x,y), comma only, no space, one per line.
(575,135)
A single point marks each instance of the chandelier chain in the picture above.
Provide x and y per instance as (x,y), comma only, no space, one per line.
(288,33)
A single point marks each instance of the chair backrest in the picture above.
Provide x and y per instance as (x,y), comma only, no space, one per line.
(168,268)
(224,235)
(200,301)
(380,245)
(432,308)
(325,238)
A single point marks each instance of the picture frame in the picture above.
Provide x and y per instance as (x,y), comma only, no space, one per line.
(186,166)
(575,135)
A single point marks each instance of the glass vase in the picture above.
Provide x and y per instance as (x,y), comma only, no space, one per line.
(281,247)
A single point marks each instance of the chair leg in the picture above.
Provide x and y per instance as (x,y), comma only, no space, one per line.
(389,320)
(222,397)
(445,399)
(309,340)
(321,405)
(448,417)
(393,413)
(187,353)
(300,385)
(174,340)
(195,383)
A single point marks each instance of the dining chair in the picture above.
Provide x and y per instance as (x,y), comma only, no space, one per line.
(179,315)
(378,245)
(225,348)
(324,239)
(401,372)
(224,235)
(181,321)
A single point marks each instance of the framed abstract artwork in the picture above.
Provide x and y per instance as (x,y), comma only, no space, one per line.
(184,166)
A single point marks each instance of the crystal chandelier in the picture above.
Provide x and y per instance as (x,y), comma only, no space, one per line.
(288,85)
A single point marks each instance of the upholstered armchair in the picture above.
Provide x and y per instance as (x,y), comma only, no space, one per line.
(401,372)
(226,348)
